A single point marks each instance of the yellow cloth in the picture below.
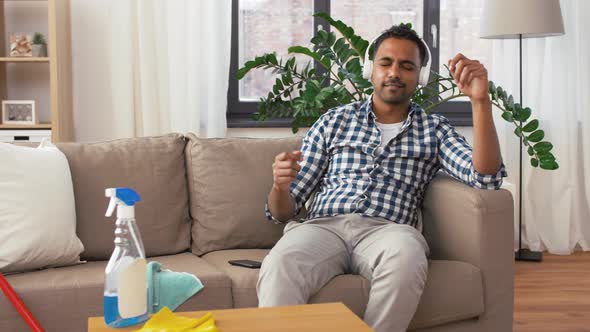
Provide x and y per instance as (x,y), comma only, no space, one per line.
(166,321)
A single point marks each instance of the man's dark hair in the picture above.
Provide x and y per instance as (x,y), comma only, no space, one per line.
(402,31)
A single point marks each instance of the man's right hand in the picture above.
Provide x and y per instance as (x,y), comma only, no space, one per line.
(285,169)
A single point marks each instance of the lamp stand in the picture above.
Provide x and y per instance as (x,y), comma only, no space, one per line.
(523,254)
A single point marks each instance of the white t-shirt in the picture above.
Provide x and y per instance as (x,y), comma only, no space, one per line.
(388,131)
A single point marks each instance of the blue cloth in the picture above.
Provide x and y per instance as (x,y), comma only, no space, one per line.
(342,154)
(169,289)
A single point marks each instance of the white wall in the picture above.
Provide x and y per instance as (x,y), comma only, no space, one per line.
(92,99)
(90,58)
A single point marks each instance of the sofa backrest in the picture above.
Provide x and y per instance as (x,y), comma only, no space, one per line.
(155,168)
(229,180)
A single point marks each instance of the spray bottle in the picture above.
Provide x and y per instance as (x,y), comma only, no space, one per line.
(125,292)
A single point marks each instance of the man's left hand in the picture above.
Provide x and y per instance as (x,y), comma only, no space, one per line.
(471,77)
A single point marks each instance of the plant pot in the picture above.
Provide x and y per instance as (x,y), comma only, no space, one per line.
(39,50)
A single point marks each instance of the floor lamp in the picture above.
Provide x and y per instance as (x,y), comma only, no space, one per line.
(518,19)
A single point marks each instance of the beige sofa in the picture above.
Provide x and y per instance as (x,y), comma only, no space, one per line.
(203,204)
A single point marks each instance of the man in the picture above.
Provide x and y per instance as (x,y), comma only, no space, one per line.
(372,162)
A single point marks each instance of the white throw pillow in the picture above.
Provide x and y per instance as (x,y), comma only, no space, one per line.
(37,209)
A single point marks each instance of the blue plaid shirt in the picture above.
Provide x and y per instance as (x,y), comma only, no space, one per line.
(342,154)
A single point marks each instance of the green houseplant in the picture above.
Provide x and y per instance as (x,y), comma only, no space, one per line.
(304,94)
(39,45)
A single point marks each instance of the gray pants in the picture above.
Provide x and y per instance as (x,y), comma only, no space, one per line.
(391,256)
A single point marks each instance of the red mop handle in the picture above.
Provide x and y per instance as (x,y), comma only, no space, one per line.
(19,305)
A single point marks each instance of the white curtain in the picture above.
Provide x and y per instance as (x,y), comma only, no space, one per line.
(169,66)
(556,85)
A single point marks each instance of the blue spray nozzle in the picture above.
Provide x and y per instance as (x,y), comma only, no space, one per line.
(124,197)
(128,196)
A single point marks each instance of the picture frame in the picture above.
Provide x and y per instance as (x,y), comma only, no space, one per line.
(21,44)
(19,112)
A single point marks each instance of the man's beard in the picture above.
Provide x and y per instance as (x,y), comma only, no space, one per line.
(401,97)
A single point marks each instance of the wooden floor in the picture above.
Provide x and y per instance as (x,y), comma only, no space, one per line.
(553,295)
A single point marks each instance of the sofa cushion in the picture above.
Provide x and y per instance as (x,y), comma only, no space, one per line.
(37,209)
(243,279)
(351,290)
(78,291)
(229,180)
(152,166)
(453,290)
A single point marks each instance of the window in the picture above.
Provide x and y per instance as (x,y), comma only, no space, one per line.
(266,26)
(261,26)
(459,25)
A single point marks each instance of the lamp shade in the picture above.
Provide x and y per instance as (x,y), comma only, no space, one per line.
(506,19)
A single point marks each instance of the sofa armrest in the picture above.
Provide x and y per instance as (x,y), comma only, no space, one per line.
(475,226)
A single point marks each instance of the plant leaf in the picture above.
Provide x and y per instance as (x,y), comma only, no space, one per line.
(242,72)
(331,38)
(310,53)
(251,64)
(536,136)
(509,109)
(550,165)
(516,110)
(288,78)
(502,93)
(531,126)
(358,45)
(291,63)
(279,84)
(534,162)
(531,151)
(523,114)
(491,87)
(345,55)
(271,58)
(354,66)
(543,147)
(546,157)
(323,36)
(507,116)
(316,40)
(340,43)
(510,101)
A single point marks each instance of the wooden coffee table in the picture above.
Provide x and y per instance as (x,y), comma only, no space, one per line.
(309,317)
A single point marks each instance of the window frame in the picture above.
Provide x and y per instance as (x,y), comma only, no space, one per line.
(239,113)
